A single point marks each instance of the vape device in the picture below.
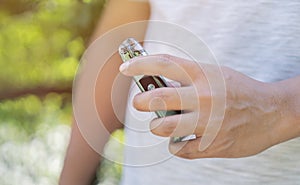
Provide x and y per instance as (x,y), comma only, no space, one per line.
(129,49)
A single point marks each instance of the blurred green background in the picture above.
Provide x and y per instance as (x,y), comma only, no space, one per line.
(41,42)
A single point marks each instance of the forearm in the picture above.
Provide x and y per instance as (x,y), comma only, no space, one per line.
(81,161)
(288,99)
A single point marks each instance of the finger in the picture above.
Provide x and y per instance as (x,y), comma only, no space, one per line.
(178,125)
(189,149)
(178,69)
(173,84)
(182,98)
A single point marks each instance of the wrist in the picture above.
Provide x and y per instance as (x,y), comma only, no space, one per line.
(287,102)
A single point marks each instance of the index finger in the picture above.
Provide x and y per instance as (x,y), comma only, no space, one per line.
(178,69)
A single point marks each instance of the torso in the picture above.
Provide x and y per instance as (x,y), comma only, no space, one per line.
(258,38)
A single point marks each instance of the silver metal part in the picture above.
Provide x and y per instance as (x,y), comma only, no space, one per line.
(150,87)
(129,49)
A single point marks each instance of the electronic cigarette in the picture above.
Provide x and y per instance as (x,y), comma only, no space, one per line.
(129,49)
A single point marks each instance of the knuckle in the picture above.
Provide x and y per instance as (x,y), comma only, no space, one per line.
(157,99)
(159,93)
(165,60)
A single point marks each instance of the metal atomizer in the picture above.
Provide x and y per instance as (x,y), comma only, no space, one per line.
(129,49)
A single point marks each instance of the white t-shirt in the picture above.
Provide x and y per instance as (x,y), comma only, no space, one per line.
(258,38)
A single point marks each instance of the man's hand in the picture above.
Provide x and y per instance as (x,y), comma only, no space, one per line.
(256,115)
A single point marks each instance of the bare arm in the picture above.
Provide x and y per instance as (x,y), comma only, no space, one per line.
(289,101)
(81,160)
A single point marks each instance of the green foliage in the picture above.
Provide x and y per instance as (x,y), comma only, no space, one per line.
(41,42)
(30,113)
(42,47)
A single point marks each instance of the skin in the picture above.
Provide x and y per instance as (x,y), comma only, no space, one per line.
(81,161)
(257,115)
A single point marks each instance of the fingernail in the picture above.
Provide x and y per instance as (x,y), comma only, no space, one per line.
(123,67)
